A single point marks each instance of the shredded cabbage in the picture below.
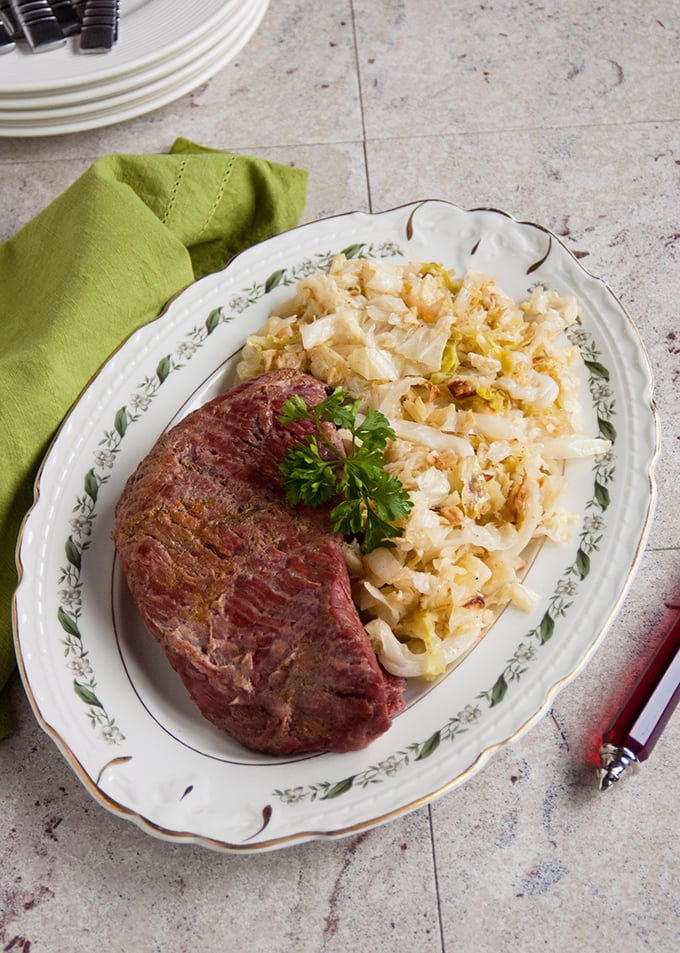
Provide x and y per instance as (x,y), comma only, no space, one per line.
(484,401)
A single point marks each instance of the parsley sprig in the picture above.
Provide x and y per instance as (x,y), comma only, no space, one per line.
(314,471)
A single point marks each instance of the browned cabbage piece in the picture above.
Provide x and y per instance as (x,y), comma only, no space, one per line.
(250,597)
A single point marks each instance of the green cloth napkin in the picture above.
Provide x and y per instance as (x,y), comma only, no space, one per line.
(97,263)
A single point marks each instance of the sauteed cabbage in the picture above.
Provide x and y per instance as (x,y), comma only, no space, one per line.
(483,397)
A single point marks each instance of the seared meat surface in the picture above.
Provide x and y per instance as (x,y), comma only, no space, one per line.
(250,597)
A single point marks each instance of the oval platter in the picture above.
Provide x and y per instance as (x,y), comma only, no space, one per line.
(101,688)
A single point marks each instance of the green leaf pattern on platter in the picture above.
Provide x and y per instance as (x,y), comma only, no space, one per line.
(81,526)
(385,769)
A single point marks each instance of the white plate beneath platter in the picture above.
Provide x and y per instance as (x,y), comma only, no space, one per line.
(150,31)
(142,99)
(215,33)
(109,700)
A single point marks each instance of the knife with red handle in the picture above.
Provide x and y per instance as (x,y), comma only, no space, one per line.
(644,714)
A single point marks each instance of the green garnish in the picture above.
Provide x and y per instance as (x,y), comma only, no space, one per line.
(314,471)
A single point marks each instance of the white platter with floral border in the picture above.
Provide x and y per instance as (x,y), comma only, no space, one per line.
(101,687)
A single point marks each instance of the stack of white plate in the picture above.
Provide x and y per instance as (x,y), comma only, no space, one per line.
(165,49)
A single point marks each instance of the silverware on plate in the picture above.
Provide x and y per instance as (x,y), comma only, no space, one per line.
(46,24)
(7,41)
(8,18)
(38,24)
(99,29)
(67,16)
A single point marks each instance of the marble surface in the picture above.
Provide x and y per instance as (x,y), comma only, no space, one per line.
(562,113)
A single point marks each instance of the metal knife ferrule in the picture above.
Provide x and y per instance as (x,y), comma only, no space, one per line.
(66,15)
(8,17)
(38,24)
(99,28)
(7,42)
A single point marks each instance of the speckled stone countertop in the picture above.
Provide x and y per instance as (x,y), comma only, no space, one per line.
(566,114)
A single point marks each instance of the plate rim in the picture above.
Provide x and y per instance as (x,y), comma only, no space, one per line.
(27,103)
(107,71)
(139,103)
